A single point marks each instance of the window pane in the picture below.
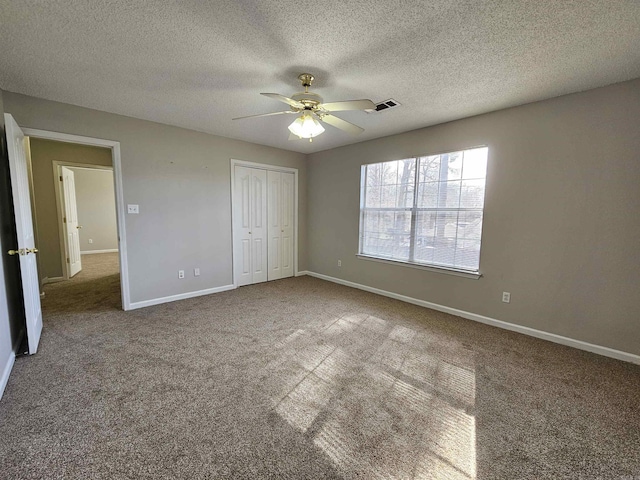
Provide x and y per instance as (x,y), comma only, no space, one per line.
(407,171)
(429,169)
(391,237)
(390,173)
(428,195)
(444,251)
(425,237)
(405,196)
(454,166)
(388,199)
(449,195)
(371,222)
(446,225)
(472,194)
(470,225)
(467,254)
(373,175)
(372,196)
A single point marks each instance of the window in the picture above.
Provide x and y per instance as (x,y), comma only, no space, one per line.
(425,210)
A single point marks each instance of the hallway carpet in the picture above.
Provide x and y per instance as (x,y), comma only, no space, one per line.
(304,379)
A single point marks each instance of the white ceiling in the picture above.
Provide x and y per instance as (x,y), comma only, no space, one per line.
(197,64)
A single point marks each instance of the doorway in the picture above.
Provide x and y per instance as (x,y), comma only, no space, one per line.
(86,211)
(97,233)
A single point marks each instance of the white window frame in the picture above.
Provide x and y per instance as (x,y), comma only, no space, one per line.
(413,210)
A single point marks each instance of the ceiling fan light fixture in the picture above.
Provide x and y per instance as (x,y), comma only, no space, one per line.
(305,126)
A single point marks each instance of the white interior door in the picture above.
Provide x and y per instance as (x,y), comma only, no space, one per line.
(70,220)
(287,223)
(242,226)
(281,191)
(274,208)
(250,227)
(24,227)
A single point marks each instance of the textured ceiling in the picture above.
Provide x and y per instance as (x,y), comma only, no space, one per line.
(197,64)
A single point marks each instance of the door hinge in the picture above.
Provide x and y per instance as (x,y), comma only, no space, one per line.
(64,219)
(67,259)
(60,177)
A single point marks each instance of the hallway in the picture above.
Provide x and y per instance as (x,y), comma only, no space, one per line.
(95,289)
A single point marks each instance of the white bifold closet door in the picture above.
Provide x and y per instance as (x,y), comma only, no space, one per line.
(280,218)
(264,218)
(250,217)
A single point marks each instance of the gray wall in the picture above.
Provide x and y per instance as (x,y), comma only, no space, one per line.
(43,154)
(181,180)
(96,201)
(561,222)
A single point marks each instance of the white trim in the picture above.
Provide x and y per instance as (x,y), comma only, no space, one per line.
(119,191)
(91,252)
(275,168)
(302,272)
(430,268)
(47,280)
(551,337)
(181,296)
(7,371)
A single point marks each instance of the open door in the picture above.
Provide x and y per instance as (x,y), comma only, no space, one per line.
(70,220)
(24,227)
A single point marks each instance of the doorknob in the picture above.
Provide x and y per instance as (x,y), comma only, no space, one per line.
(79,226)
(31,250)
(20,251)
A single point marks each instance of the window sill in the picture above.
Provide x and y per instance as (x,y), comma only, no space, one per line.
(447,271)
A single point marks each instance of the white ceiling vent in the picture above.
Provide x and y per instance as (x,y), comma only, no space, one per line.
(386,105)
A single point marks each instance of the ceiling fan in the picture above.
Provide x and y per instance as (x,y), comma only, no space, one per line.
(312,111)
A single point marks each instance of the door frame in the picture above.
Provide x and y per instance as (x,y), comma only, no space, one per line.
(64,244)
(116,164)
(262,166)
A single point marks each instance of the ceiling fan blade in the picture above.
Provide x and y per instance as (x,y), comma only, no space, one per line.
(342,124)
(263,115)
(283,99)
(349,105)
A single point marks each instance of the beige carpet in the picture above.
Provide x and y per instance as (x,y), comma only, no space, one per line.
(304,379)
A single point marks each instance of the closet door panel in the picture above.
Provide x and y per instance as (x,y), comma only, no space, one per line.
(242,220)
(275,219)
(259,228)
(287,224)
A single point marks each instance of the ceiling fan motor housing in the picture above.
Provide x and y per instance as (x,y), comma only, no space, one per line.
(308,99)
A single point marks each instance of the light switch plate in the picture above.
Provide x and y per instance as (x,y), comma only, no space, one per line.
(133,208)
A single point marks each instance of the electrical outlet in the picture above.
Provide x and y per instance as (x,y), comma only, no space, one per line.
(91,240)
(506,297)
(196,272)
(339,263)
(133,209)
(180,273)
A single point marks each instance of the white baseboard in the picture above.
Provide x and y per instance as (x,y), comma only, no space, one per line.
(89,252)
(6,372)
(301,273)
(552,337)
(181,296)
(46,280)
